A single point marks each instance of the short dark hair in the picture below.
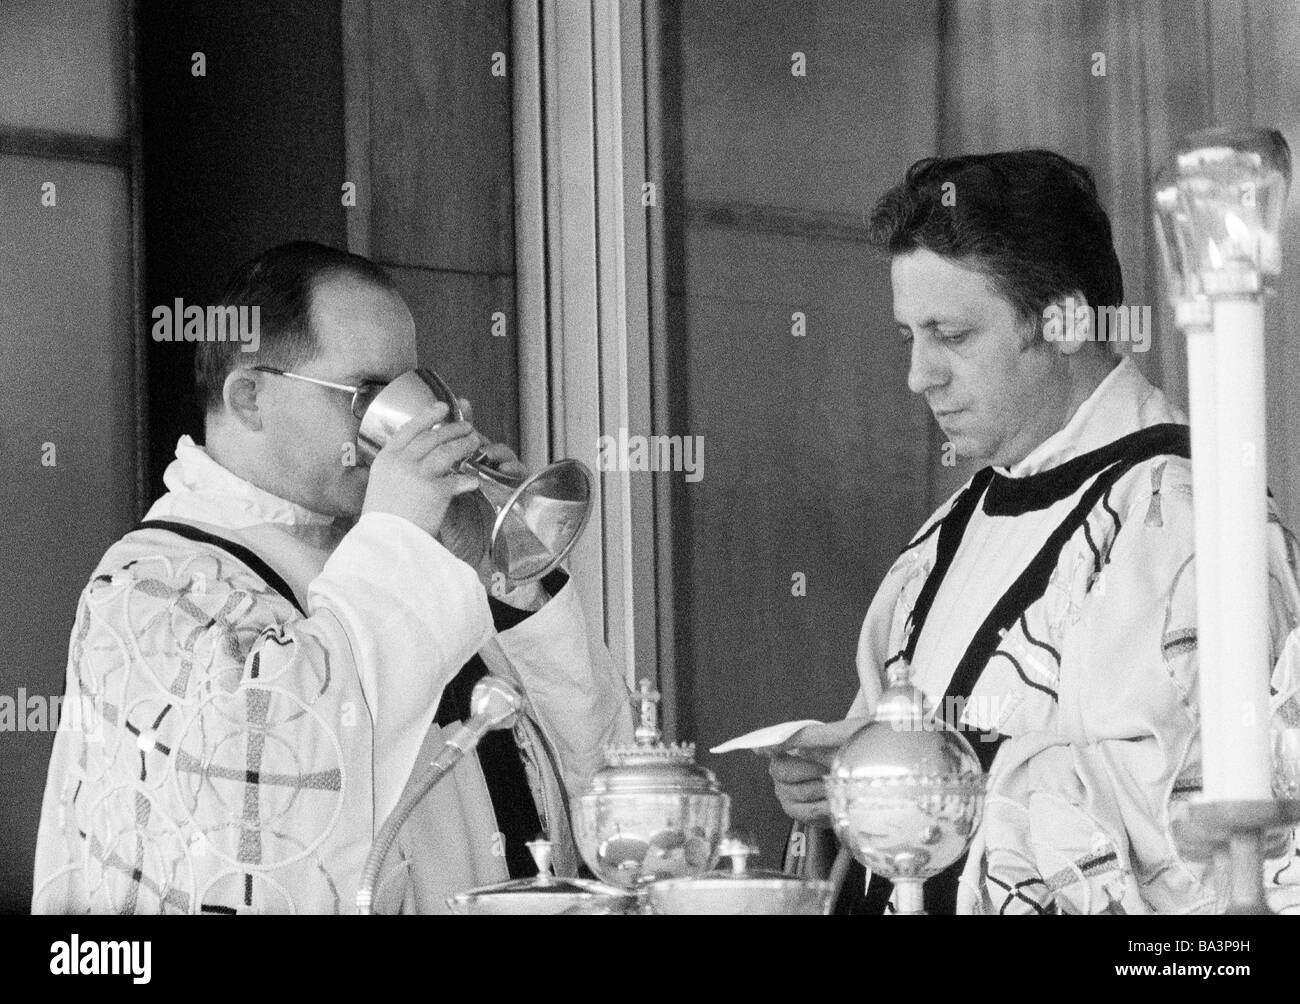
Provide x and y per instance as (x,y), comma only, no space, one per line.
(280,282)
(1030,220)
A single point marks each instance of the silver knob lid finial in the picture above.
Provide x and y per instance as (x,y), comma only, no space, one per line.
(542,850)
(737,848)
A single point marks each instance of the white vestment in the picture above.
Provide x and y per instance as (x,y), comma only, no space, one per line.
(1094,685)
(230,754)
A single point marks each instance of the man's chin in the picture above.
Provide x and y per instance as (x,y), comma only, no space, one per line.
(351,495)
(966,448)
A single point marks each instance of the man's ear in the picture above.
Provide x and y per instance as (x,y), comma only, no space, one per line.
(239,394)
(1068,323)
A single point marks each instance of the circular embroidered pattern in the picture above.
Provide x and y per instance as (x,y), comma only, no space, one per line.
(136,860)
(260,774)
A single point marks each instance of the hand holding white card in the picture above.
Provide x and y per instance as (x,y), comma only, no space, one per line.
(765,740)
(806,739)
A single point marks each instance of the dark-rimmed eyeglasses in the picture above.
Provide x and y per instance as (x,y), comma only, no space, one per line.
(362,394)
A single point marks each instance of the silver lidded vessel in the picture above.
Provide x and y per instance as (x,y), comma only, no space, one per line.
(741,890)
(651,812)
(542,895)
(906,792)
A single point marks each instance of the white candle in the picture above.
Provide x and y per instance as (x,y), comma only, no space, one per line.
(1229,473)
(1201,405)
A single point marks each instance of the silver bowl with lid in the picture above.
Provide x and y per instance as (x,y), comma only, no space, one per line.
(542,895)
(740,890)
(651,812)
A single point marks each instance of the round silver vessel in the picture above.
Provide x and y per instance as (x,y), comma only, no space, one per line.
(651,812)
(739,890)
(906,794)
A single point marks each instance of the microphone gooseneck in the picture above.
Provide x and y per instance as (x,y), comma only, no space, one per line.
(493,704)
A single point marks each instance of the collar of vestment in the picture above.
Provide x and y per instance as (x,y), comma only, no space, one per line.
(1016,496)
(1098,434)
(1115,408)
(202,490)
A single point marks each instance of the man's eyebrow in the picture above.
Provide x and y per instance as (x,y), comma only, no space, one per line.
(928,322)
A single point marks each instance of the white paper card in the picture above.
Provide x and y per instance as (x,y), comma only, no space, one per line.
(765,739)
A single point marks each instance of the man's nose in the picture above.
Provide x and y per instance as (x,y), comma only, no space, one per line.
(927,370)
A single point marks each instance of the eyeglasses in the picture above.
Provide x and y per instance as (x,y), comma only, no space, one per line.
(362,394)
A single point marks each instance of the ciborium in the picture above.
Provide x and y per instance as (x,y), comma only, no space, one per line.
(529,524)
(906,792)
(651,812)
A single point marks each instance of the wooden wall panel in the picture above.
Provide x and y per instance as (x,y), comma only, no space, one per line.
(757,134)
(67,380)
(429,146)
(61,67)
(453,321)
(817,458)
(71,392)
(814,462)
(440,136)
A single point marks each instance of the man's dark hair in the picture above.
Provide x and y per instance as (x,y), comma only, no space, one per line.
(1029,220)
(280,282)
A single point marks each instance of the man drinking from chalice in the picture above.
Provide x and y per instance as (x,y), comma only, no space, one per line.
(274,655)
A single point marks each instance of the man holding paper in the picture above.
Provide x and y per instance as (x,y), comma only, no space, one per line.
(1048,608)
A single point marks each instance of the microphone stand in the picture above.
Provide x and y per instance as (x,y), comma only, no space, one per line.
(493,705)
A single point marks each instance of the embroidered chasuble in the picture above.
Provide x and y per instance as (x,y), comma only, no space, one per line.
(261,684)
